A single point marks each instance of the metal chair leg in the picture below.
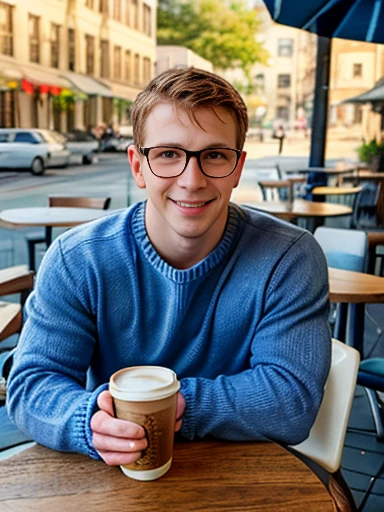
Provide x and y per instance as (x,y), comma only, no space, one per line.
(376,409)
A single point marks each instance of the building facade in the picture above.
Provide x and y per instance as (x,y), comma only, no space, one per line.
(355,67)
(68,64)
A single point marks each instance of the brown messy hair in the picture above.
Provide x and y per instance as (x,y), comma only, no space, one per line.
(189,89)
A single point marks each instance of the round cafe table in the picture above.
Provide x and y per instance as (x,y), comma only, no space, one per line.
(214,476)
(300,208)
(353,290)
(50,217)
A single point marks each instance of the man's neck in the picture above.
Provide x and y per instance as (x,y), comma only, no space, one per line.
(179,251)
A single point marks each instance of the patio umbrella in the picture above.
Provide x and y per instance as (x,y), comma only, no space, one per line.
(360,20)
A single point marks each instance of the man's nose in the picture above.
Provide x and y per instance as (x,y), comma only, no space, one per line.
(192,177)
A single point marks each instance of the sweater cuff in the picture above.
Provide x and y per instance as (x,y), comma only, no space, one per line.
(188,390)
(90,411)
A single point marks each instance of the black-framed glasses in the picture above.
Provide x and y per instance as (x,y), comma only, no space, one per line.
(169,162)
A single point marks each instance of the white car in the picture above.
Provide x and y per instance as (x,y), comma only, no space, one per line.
(83,144)
(32,148)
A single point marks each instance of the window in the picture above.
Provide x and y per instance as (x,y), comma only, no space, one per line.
(34,42)
(71,50)
(147,22)
(4,137)
(282,113)
(6,29)
(260,82)
(117,10)
(25,137)
(104,59)
(135,14)
(357,70)
(55,45)
(104,6)
(117,62)
(136,75)
(285,47)
(90,55)
(127,66)
(283,81)
(146,70)
(128,12)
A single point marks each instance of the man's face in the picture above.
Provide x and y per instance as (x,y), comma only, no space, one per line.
(191,206)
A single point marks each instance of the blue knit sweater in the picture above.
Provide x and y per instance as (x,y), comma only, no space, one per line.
(245,329)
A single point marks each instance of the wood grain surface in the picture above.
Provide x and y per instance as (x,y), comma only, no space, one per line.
(205,476)
(355,287)
(301,208)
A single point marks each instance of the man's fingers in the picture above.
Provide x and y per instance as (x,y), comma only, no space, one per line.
(119,459)
(104,443)
(103,423)
(105,402)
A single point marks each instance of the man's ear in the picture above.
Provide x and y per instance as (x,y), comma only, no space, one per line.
(239,168)
(135,161)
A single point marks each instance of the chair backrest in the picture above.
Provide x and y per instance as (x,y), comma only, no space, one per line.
(274,190)
(80,202)
(13,280)
(326,439)
(349,196)
(346,249)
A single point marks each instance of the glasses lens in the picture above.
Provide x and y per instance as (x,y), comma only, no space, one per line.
(167,162)
(218,163)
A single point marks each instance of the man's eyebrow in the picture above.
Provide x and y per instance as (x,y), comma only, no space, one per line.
(180,146)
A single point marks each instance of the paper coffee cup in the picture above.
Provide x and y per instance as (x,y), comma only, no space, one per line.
(147,395)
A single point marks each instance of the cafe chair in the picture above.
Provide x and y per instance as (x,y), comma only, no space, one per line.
(281,190)
(375,252)
(347,196)
(13,280)
(371,377)
(101,203)
(322,450)
(346,249)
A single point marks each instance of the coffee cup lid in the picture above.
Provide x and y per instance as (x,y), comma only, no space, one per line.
(143,383)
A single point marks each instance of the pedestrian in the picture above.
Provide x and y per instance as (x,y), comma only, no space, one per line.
(279,133)
(233,300)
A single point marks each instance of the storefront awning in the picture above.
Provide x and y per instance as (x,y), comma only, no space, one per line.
(88,85)
(45,77)
(121,91)
(376,94)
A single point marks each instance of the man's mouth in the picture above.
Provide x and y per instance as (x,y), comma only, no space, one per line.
(192,205)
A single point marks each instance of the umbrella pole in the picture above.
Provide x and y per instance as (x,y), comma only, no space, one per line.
(320,115)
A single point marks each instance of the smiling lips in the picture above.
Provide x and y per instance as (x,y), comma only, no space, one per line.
(191,205)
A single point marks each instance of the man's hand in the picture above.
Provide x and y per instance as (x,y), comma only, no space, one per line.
(120,442)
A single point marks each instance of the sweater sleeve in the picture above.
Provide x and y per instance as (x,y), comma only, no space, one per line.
(279,395)
(46,395)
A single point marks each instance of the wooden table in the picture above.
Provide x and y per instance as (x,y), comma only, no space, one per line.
(207,476)
(50,217)
(353,290)
(301,208)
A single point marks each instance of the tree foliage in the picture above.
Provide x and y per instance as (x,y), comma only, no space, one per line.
(221,31)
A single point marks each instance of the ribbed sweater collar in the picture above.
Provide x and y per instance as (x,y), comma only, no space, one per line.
(200,269)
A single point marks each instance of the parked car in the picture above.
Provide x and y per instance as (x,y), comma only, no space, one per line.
(84,144)
(113,143)
(34,149)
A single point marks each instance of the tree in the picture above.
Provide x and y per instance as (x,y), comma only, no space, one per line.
(221,31)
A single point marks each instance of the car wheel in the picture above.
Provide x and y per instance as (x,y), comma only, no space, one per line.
(37,167)
(88,159)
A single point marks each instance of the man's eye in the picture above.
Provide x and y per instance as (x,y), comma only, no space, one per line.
(169,154)
(214,155)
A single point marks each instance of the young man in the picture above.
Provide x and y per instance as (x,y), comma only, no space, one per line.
(233,300)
